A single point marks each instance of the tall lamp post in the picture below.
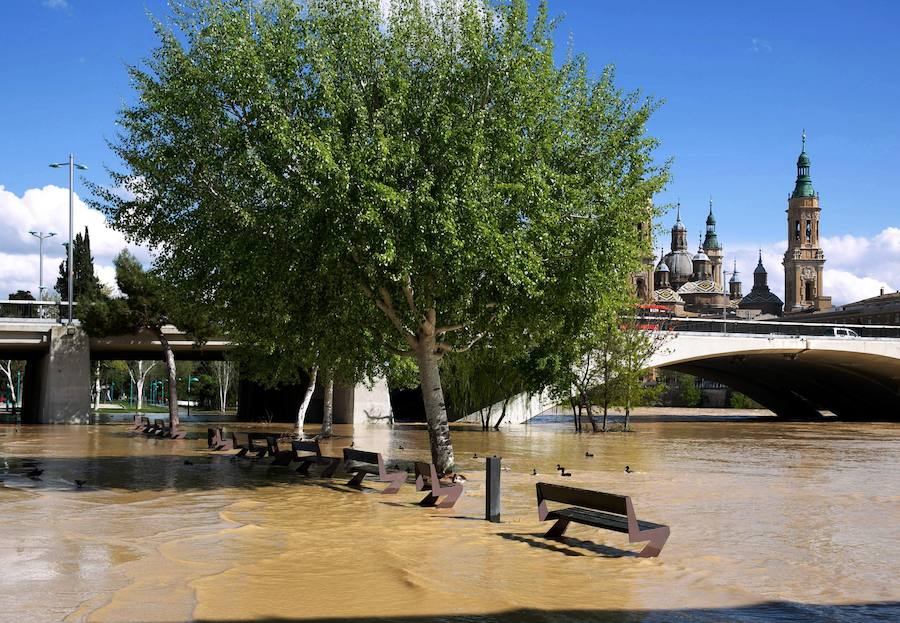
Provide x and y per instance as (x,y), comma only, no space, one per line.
(72,166)
(41,236)
(725,297)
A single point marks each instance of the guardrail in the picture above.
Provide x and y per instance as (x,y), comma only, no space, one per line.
(34,310)
(770,328)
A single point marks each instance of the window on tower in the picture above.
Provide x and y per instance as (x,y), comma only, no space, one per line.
(797,231)
(808,230)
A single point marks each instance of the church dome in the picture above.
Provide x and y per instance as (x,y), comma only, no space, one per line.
(681,264)
(701,256)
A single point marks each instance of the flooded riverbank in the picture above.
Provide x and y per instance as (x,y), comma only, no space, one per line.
(770,521)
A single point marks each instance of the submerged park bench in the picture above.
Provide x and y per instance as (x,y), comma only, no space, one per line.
(600,510)
(216,439)
(360,462)
(312,455)
(427,480)
(159,429)
(252,446)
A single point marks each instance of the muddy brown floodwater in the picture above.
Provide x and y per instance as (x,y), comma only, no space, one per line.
(770,522)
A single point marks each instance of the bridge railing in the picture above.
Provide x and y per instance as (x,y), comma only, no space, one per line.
(34,310)
(773,328)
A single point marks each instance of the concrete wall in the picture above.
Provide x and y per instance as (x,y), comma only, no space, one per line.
(57,383)
(519,410)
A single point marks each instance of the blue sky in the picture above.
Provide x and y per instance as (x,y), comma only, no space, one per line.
(739,81)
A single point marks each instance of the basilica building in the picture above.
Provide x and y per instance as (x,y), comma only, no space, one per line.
(694,283)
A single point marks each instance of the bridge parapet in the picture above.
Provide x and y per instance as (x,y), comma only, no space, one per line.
(773,328)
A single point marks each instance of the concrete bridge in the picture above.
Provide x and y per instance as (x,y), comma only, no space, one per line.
(796,370)
(57,381)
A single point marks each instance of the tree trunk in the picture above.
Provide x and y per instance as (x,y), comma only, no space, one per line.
(307,397)
(97,386)
(174,422)
(627,410)
(7,370)
(328,407)
(590,414)
(435,410)
(502,414)
(605,411)
(574,414)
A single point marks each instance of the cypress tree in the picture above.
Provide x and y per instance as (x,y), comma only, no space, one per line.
(86,283)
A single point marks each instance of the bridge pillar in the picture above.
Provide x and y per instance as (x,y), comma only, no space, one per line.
(58,383)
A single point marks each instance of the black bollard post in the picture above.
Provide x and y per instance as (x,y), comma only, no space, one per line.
(492,497)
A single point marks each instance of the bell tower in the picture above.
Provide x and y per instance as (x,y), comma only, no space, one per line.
(804,260)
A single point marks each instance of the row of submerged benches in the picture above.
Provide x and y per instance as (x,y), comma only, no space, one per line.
(592,508)
(156,428)
(354,463)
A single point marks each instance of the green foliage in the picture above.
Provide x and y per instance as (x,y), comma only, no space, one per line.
(143,304)
(338,187)
(737,400)
(21,295)
(688,390)
(85,284)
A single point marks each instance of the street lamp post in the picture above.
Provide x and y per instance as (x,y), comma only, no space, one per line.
(41,236)
(72,166)
(189,379)
(725,273)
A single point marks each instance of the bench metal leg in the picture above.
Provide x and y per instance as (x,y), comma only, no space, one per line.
(242,452)
(428,501)
(557,529)
(657,538)
(357,479)
(333,465)
(396,481)
(303,470)
(283,459)
(452,494)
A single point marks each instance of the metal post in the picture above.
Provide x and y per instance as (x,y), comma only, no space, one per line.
(492,497)
(41,268)
(71,287)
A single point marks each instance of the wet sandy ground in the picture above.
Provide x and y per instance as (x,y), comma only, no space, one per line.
(770,522)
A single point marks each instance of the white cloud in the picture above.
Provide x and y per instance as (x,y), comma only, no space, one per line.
(57,4)
(856,267)
(47,210)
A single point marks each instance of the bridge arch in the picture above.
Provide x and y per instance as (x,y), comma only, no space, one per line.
(797,377)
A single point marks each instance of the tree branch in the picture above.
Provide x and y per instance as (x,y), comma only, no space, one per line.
(391,314)
(408,291)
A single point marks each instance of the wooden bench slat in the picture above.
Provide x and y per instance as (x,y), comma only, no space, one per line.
(600,519)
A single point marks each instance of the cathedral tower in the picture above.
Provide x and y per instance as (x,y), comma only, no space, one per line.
(734,284)
(804,260)
(713,248)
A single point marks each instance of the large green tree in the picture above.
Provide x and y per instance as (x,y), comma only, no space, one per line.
(341,184)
